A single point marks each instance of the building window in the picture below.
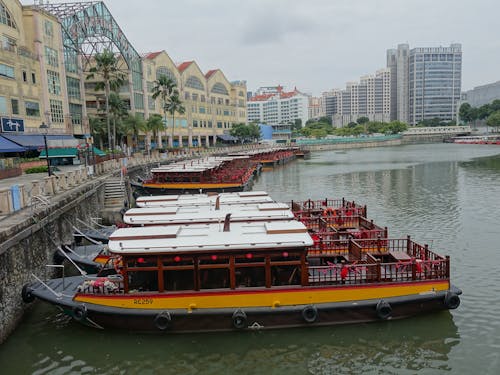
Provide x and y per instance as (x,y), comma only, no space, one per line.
(151,103)
(202,109)
(70,60)
(32,109)
(76,113)
(51,57)
(164,71)
(73,88)
(219,88)
(3,105)
(8,43)
(5,17)
(138,100)
(194,83)
(54,83)
(219,125)
(7,71)
(195,124)
(33,78)
(15,106)
(25,77)
(210,124)
(48,28)
(56,111)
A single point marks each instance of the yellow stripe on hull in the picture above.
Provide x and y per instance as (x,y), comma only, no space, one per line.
(192,186)
(267,298)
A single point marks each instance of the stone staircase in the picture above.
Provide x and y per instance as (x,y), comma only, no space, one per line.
(114,193)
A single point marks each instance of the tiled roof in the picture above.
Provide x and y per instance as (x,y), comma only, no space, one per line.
(184,65)
(210,73)
(152,55)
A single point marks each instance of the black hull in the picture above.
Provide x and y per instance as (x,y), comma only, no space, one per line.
(140,190)
(230,319)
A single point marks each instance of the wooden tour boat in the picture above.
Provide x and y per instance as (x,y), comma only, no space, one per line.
(191,200)
(244,276)
(212,174)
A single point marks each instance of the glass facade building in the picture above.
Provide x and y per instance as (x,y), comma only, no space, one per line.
(434,76)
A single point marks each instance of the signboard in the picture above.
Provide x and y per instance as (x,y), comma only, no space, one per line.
(11,125)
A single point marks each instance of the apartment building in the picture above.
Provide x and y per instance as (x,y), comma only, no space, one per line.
(370,97)
(427,82)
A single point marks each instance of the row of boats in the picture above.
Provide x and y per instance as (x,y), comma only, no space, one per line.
(229,173)
(242,261)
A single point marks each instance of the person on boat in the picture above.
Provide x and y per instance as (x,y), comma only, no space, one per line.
(344,271)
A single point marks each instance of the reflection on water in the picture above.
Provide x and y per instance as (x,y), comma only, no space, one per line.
(57,346)
(444,195)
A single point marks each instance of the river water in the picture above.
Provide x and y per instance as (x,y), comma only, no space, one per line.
(445,195)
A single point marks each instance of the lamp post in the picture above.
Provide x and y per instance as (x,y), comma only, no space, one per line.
(45,130)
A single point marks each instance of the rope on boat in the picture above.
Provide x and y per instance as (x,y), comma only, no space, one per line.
(86,237)
(82,272)
(58,295)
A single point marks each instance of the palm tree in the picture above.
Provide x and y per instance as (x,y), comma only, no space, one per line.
(154,125)
(133,125)
(106,67)
(175,105)
(164,87)
(117,110)
(98,130)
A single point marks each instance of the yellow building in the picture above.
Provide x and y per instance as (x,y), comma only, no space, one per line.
(33,80)
(212,103)
(45,56)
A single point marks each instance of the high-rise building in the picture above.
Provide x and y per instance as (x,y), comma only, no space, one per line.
(274,106)
(370,97)
(315,107)
(427,82)
(481,95)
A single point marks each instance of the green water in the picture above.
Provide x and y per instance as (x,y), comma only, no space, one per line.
(442,194)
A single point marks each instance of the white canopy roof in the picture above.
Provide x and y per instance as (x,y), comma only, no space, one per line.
(209,237)
(248,197)
(207,214)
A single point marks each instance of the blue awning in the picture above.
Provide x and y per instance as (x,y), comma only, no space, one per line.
(34,141)
(8,146)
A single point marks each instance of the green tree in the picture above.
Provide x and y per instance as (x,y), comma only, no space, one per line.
(117,111)
(362,120)
(154,125)
(494,119)
(250,132)
(465,113)
(175,105)
(134,125)
(109,77)
(297,124)
(165,88)
(326,120)
(395,127)
(352,125)
(98,130)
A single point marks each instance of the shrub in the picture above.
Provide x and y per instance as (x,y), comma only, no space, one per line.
(39,169)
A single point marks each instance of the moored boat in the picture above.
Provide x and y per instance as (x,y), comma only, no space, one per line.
(212,174)
(238,198)
(245,276)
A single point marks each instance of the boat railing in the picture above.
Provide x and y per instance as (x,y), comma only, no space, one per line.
(374,271)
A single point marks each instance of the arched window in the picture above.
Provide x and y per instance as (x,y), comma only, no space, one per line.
(162,70)
(194,83)
(219,88)
(5,17)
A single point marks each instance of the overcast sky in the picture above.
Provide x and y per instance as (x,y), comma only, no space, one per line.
(315,45)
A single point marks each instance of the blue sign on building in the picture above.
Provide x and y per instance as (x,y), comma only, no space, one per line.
(10,125)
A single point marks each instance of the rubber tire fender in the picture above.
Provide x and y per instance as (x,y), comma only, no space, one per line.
(451,300)
(80,313)
(384,310)
(310,314)
(163,320)
(27,294)
(239,319)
